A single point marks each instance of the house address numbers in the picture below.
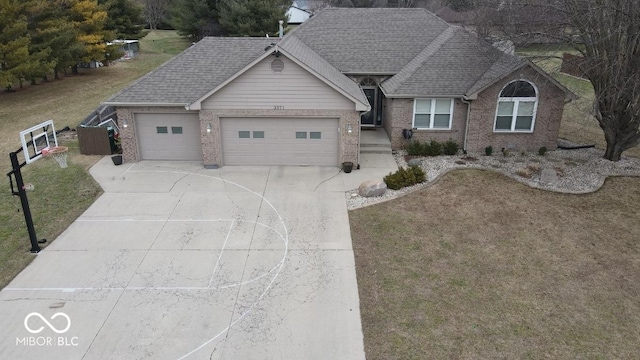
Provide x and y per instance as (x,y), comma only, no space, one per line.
(278,107)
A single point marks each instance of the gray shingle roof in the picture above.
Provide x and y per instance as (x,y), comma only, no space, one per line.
(502,66)
(392,85)
(370,41)
(453,68)
(425,55)
(194,72)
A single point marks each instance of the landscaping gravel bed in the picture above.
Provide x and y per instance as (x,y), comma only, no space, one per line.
(568,171)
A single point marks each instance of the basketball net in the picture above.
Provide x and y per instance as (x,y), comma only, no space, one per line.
(58,153)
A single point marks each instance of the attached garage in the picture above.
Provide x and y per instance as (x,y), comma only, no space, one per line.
(169,136)
(280,141)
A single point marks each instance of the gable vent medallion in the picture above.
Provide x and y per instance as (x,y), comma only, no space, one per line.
(277,65)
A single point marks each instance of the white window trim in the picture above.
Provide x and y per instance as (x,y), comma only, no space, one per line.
(432,114)
(516,105)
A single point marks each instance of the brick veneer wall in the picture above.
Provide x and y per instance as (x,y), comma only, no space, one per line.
(398,115)
(212,142)
(547,121)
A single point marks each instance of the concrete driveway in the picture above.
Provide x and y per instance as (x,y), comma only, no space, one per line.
(174,261)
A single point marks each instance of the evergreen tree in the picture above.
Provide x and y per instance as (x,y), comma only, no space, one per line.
(89,19)
(252,17)
(16,63)
(124,18)
(195,19)
(43,27)
(461,5)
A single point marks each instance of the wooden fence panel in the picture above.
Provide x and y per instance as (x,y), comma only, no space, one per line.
(93,140)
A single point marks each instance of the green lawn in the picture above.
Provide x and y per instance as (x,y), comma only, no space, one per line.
(479,266)
(61,195)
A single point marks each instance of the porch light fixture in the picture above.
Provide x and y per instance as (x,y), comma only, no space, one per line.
(349,129)
(125,123)
(209,128)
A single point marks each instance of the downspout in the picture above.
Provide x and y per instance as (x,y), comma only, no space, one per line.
(466,128)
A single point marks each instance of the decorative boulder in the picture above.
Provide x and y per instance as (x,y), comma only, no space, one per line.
(548,176)
(415,162)
(372,188)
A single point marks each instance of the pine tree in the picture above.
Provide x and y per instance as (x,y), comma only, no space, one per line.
(89,19)
(124,18)
(16,62)
(195,19)
(252,17)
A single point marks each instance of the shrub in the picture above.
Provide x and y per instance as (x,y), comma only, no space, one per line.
(488,150)
(433,148)
(506,152)
(415,148)
(542,151)
(450,147)
(405,177)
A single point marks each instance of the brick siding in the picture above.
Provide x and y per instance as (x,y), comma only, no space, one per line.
(398,115)
(211,142)
(547,121)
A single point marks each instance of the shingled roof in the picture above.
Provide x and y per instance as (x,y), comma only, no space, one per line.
(188,76)
(452,67)
(424,55)
(370,41)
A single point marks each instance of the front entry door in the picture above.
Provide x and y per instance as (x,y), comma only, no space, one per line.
(368,119)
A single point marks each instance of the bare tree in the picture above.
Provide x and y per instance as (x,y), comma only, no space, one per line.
(155,12)
(606,33)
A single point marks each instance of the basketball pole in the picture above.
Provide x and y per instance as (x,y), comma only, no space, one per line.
(22,193)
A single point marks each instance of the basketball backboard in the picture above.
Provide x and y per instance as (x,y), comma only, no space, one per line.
(36,138)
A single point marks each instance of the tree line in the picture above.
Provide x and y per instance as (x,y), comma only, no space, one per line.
(196,19)
(40,37)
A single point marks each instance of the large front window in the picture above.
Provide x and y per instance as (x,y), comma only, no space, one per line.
(432,113)
(517,107)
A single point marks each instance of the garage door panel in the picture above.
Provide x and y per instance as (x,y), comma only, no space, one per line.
(280,145)
(169,136)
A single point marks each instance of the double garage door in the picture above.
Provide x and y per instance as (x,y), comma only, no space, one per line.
(245,141)
(169,136)
(279,141)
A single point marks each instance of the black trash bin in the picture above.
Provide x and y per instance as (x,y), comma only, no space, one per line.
(112,140)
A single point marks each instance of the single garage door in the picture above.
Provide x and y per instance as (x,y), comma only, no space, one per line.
(278,141)
(169,136)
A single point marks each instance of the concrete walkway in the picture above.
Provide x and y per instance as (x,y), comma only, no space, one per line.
(174,261)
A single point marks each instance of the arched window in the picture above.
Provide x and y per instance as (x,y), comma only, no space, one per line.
(368,82)
(517,107)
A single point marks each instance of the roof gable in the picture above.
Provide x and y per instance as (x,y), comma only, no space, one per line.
(370,41)
(194,72)
(298,52)
(449,66)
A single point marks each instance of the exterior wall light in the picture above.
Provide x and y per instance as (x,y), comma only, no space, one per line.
(125,123)
(209,128)
(349,129)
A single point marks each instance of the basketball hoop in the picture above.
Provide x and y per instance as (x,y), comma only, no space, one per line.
(58,153)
